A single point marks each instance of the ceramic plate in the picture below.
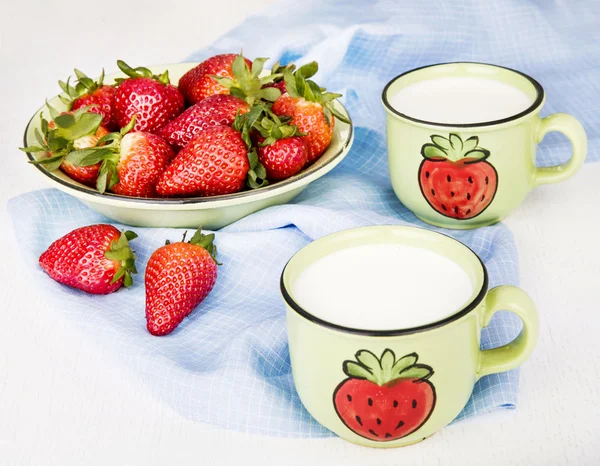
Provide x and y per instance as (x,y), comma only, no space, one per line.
(210,212)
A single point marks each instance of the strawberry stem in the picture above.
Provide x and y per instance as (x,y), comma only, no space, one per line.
(387,368)
(122,252)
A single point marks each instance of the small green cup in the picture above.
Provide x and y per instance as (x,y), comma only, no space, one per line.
(391,388)
(470,175)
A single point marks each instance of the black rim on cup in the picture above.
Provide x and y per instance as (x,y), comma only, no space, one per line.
(388,333)
(536,103)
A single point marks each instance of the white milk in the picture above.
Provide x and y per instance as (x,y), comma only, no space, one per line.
(460,100)
(383,287)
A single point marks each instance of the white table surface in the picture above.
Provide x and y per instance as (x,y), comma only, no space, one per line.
(63,402)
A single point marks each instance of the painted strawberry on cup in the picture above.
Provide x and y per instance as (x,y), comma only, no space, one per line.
(455,177)
(385,399)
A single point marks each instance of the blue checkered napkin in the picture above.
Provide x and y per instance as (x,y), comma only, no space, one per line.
(228,363)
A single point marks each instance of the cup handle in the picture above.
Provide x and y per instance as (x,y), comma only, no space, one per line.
(570,127)
(511,355)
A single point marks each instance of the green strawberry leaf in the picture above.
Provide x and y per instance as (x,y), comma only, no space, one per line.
(52,111)
(130,235)
(87,124)
(416,371)
(270,93)
(357,371)
(118,275)
(433,152)
(237,92)
(403,363)
(290,84)
(102,180)
(456,142)
(369,360)
(128,127)
(33,149)
(239,67)
(224,81)
(64,121)
(309,70)
(257,66)
(440,141)
(127,281)
(337,113)
(470,143)
(477,154)
(388,358)
(50,163)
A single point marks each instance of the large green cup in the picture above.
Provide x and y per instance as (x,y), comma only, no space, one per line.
(470,175)
(391,388)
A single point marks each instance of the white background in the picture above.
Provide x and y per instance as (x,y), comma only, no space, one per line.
(63,402)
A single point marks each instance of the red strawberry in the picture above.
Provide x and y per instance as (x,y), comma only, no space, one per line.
(85,175)
(178,278)
(280,149)
(96,259)
(385,399)
(455,177)
(150,98)
(283,158)
(66,133)
(246,83)
(198,83)
(218,109)
(131,162)
(311,110)
(214,162)
(93,94)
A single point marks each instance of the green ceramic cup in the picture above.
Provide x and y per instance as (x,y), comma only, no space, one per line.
(391,388)
(496,158)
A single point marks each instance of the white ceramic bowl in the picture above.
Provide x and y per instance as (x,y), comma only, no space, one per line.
(210,212)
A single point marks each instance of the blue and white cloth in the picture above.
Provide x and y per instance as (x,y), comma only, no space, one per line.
(228,362)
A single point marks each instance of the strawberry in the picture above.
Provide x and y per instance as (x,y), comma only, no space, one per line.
(311,109)
(150,98)
(178,278)
(93,94)
(216,161)
(455,177)
(96,259)
(247,84)
(130,162)
(281,150)
(283,158)
(385,399)
(198,83)
(66,133)
(218,109)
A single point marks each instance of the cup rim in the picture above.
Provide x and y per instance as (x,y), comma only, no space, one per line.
(395,332)
(536,103)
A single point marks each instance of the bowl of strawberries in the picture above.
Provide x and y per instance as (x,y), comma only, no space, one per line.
(191,143)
